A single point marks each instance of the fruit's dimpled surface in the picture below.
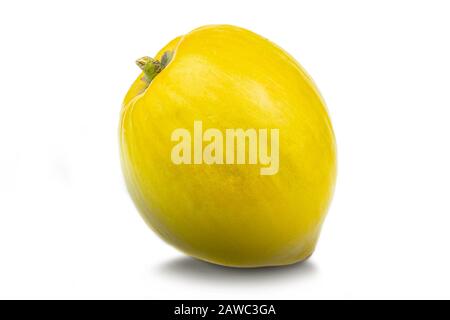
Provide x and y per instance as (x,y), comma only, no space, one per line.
(229,77)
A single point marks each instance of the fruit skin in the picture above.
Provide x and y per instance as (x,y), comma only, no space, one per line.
(231,215)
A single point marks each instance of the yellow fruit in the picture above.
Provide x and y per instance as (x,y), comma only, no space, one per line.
(226,77)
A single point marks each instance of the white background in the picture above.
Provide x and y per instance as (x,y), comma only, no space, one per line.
(68,228)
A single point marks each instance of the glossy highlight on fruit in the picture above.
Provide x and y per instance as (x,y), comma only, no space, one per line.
(230,214)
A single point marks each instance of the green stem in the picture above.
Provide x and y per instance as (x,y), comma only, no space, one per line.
(151,67)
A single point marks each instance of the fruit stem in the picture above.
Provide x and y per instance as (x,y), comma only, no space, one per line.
(151,67)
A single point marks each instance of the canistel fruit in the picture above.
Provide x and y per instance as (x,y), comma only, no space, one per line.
(228,150)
